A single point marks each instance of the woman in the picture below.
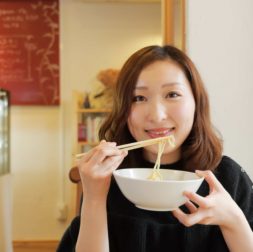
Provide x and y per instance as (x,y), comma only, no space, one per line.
(159,92)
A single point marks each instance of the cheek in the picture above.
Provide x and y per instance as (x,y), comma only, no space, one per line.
(184,114)
(134,120)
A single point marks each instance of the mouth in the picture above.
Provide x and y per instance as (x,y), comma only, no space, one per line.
(160,132)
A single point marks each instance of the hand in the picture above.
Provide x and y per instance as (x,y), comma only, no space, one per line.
(96,168)
(218,208)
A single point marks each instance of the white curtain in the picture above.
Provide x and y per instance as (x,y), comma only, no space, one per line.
(5,213)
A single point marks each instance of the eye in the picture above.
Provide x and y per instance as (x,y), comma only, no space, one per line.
(139,98)
(172,94)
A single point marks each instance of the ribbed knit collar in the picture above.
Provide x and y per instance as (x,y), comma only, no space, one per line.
(173,166)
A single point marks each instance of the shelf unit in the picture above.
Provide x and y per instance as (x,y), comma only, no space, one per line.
(91,119)
(86,124)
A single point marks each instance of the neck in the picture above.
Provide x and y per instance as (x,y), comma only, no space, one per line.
(167,158)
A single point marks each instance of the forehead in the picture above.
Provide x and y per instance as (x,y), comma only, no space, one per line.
(161,72)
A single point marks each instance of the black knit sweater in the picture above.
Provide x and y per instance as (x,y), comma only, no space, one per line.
(135,230)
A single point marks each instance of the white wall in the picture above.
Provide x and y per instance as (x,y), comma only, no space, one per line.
(220,41)
(6,213)
(35,167)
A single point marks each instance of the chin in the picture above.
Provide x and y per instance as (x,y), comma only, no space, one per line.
(170,154)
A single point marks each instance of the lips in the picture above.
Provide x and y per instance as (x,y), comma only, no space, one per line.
(159,132)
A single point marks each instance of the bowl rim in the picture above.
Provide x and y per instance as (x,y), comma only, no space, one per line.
(199,178)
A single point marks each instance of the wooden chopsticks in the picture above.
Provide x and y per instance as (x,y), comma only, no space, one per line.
(131,146)
(143,143)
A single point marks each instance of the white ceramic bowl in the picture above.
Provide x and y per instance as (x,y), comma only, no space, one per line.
(162,195)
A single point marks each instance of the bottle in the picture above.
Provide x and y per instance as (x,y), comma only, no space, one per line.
(86,102)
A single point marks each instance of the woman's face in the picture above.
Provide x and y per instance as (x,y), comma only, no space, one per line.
(163,105)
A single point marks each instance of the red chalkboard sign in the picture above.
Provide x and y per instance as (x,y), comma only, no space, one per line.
(29,51)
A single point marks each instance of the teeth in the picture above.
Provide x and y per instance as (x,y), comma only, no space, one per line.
(159,133)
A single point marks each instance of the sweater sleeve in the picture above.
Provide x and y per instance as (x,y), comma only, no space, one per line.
(237,182)
(244,196)
(69,238)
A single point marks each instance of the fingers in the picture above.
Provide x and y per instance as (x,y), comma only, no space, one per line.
(112,164)
(212,181)
(199,200)
(208,210)
(105,169)
(188,220)
(101,152)
(185,219)
(87,155)
(197,214)
(100,161)
(192,208)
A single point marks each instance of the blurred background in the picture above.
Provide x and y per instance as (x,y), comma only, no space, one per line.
(97,35)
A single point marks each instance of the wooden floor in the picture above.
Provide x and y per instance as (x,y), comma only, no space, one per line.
(35,246)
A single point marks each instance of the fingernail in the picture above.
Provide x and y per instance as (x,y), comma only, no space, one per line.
(185,193)
(123,153)
(199,171)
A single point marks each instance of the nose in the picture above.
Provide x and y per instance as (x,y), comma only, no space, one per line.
(157,112)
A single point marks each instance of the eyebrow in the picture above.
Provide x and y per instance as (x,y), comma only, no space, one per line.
(164,85)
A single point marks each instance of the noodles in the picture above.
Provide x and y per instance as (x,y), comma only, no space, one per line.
(156,175)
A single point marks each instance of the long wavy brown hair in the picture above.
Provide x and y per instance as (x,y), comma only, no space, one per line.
(203,147)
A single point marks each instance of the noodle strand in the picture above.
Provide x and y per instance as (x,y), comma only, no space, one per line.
(156,175)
